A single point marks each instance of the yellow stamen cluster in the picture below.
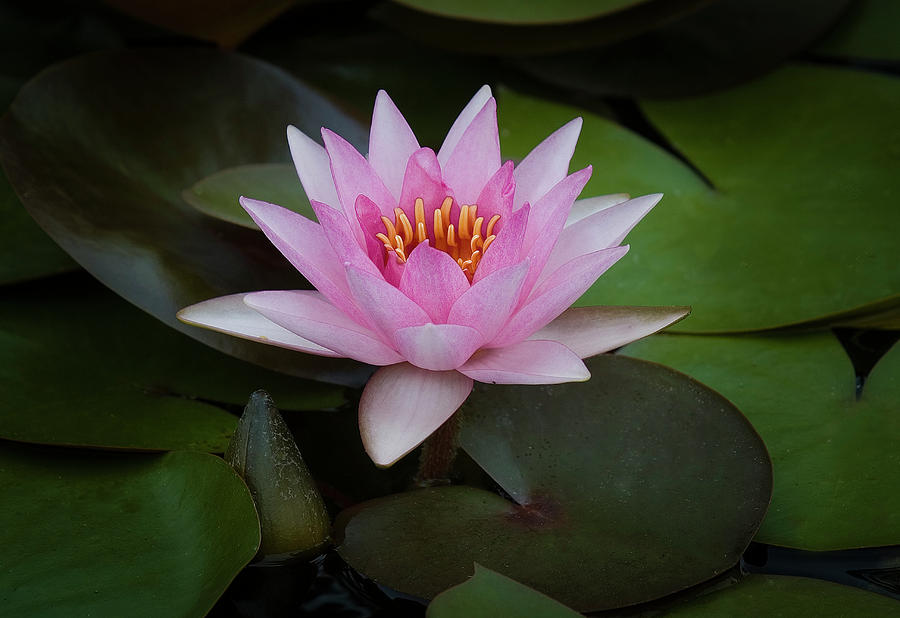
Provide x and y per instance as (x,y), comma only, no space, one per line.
(466,242)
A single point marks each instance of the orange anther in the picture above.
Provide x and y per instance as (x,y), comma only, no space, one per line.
(491,224)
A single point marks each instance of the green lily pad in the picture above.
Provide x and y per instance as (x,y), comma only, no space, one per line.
(798,222)
(226,23)
(275,183)
(517,37)
(868,31)
(120,535)
(835,457)
(103,175)
(522,11)
(780,595)
(84,367)
(488,594)
(722,44)
(639,474)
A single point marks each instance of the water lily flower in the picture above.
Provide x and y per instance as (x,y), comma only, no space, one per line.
(441,268)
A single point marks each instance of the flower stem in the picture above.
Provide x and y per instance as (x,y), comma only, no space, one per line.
(438,454)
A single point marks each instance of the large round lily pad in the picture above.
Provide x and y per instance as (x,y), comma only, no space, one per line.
(793,217)
(103,175)
(638,475)
(83,367)
(779,595)
(836,459)
(120,535)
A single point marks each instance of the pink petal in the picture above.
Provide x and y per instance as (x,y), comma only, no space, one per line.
(304,244)
(438,347)
(588,206)
(313,167)
(556,294)
(547,164)
(462,123)
(548,215)
(487,305)
(308,314)
(554,207)
(229,315)
(337,230)
(369,216)
(476,157)
(506,249)
(402,405)
(593,330)
(496,197)
(528,362)
(353,176)
(433,280)
(385,306)
(391,143)
(606,228)
(423,179)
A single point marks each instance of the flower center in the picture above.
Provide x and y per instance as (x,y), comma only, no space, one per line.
(464,242)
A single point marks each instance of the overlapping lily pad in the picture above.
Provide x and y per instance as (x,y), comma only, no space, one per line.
(522,11)
(793,217)
(724,43)
(833,455)
(103,175)
(275,183)
(636,475)
(488,594)
(89,369)
(867,32)
(517,34)
(119,535)
(779,595)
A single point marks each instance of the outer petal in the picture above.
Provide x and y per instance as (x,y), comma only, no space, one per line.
(549,213)
(476,157)
(547,164)
(391,143)
(593,330)
(553,208)
(229,315)
(462,123)
(528,362)
(308,314)
(385,306)
(313,167)
(337,229)
(487,305)
(606,228)
(438,347)
(402,405)
(304,244)
(506,249)
(557,294)
(590,205)
(353,176)
(433,280)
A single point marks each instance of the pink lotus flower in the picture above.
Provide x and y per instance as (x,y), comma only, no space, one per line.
(441,268)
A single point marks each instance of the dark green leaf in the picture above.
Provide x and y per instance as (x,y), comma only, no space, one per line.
(488,594)
(835,457)
(103,175)
(119,535)
(616,480)
(799,221)
(86,368)
(868,31)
